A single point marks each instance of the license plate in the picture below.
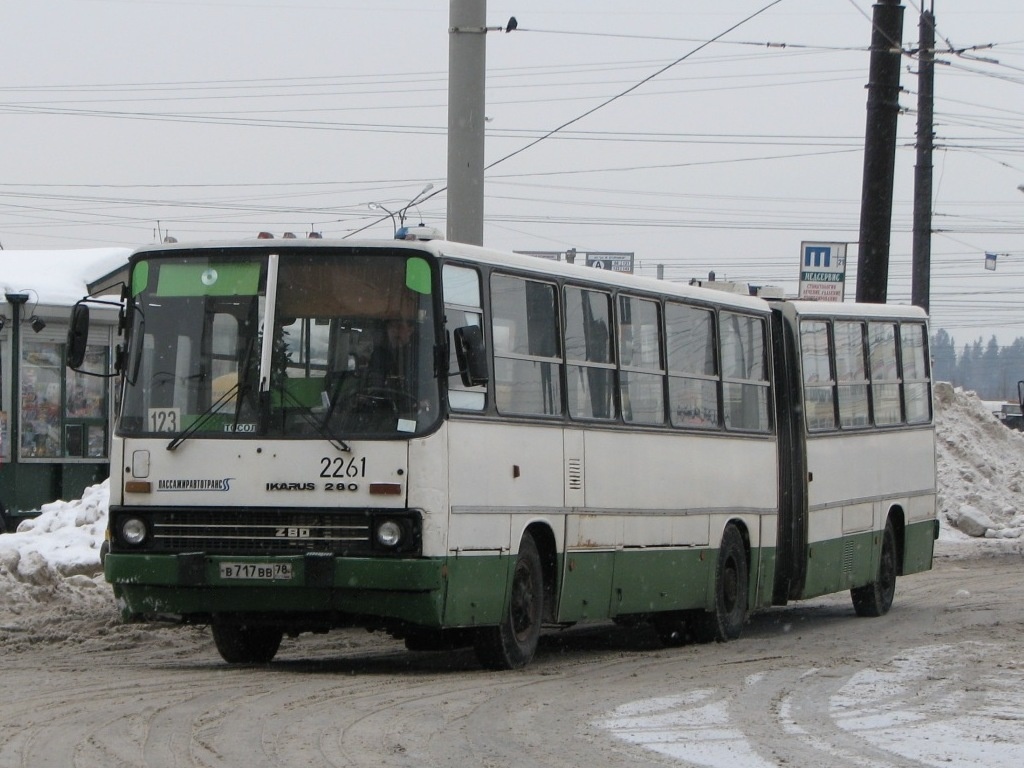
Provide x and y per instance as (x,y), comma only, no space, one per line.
(260,571)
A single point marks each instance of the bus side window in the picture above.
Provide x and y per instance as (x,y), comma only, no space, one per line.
(885,383)
(916,378)
(463,308)
(815,362)
(851,375)
(745,388)
(590,369)
(692,367)
(642,375)
(526,339)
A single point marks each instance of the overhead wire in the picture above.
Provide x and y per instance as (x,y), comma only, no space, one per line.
(736,220)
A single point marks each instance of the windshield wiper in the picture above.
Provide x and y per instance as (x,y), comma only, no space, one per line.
(203,418)
(320,426)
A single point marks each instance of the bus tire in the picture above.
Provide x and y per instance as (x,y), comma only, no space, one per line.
(875,599)
(246,643)
(732,585)
(512,643)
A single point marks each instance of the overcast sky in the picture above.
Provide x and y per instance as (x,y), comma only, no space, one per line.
(124,120)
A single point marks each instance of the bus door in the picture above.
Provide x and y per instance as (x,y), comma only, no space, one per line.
(791,547)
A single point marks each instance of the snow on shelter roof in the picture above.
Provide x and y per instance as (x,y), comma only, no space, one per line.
(57,278)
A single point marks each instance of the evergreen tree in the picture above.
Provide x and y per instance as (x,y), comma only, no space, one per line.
(992,371)
(944,357)
(967,365)
(990,386)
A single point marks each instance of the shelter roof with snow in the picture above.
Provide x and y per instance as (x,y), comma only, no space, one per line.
(57,278)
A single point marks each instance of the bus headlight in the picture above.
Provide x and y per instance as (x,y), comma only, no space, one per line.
(133,531)
(396,533)
(389,534)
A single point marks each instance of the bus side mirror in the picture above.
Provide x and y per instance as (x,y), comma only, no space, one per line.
(471,355)
(78,335)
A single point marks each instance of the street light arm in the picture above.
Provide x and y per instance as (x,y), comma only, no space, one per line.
(379,207)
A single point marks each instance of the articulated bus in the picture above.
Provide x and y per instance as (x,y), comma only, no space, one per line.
(460,447)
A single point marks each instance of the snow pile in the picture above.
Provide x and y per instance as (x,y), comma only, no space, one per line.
(980,468)
(54,558)
(51,586)
(64,540)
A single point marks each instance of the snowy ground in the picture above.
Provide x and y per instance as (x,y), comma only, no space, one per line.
(49,571)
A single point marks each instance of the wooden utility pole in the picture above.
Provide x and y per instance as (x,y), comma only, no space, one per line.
(879,152)
(920,290)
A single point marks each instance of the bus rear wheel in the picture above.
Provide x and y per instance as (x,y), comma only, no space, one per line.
(875,599)
(246,643)
(513,642)
(725,621)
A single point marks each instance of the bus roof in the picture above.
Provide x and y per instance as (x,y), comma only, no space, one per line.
(489,257)
(863,310)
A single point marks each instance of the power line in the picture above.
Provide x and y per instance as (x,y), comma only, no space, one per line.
(632,88)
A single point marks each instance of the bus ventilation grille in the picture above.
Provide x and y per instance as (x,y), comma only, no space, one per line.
(575,468)
(848,557)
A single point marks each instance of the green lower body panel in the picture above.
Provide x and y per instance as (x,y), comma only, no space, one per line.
(598,585)
(477,589)
(663,580)
(839,564)
(919,546)
(586,585)
(186,586)
(852,561)
(763,575)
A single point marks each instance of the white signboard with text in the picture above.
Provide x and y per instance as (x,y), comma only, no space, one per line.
(822,271)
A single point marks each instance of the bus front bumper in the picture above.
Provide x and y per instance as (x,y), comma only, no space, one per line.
(196,586)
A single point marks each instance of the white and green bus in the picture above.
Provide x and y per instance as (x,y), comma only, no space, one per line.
(461,447)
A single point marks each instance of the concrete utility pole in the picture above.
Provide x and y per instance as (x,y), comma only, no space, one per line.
(467,63)
(920,281)
(879,152)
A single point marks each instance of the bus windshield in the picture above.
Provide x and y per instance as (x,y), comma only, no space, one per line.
(352,351)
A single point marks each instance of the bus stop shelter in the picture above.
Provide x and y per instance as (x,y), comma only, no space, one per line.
(54,422)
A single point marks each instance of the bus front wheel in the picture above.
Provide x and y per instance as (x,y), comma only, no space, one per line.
(513,642)
(875,599)
(246,644)
(725,621)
